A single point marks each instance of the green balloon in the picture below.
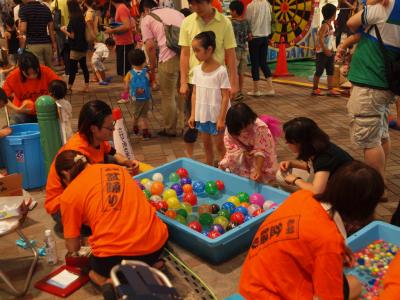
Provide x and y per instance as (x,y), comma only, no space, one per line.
(221,221)
(211,188)
(243,197)
(147,193)
(224,213)
(182,212)
(173,177)
(191,218)
(205,219)
(180,219)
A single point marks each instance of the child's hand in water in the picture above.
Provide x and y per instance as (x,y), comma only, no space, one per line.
(284,165)
(221,125)
(191,122)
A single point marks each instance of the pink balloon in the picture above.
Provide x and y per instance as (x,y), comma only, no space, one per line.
(257,198)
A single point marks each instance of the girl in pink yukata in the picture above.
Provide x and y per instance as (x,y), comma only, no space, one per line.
(250,144)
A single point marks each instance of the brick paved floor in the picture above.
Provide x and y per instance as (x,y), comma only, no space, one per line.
(329,113)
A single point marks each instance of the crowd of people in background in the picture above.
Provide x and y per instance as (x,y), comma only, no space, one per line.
(197,57)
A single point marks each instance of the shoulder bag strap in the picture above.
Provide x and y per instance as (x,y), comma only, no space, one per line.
(381,45)
(156,17)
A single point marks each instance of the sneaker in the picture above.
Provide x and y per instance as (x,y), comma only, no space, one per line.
(123,101)
(317,92)
(254,93)
(136,130)
(334,93)
(104,83)
(269,93)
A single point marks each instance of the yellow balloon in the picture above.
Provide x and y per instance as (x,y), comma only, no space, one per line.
(186,206)
(235,200)
(169,193)
(144,181)
(173,203)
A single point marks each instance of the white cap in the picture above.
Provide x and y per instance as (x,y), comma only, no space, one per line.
(47,232)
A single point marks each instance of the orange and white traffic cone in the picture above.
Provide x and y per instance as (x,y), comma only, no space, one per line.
(281,65)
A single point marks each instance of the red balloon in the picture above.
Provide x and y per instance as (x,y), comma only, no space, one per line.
(213,234)
(162,205)
(220,185)
(237,218)
(182,172)
(190,198)
(195,226)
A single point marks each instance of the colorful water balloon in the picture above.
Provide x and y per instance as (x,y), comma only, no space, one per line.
(158,177)
(173,177)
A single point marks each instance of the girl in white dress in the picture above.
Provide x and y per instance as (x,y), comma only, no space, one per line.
(210,97)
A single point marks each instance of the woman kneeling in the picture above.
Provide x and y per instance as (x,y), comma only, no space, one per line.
(106,198)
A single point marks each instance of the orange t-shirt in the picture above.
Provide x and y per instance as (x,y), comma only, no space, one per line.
(297,253)
(391,281)
(245,3)
(54,188)
(123,223)
(217,5)
(31,88)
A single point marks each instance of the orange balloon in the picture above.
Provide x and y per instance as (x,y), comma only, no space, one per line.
(157,188)
(187,188)
(171,214)
(30,105)
(245,204)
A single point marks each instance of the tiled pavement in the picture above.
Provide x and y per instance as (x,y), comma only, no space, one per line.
(329,113)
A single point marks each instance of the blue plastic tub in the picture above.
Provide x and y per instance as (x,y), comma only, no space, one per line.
(376,230)
(22,153)
(232,242)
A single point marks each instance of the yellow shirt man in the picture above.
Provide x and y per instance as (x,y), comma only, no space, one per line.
(222,27)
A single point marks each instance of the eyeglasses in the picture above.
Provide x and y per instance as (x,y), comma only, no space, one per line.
(110,128)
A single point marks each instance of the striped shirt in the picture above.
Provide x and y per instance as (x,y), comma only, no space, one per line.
(37,16)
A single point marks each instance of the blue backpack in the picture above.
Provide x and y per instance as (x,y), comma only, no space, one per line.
(140,85)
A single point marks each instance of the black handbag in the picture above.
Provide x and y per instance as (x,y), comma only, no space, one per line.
(57,17)
(392,67)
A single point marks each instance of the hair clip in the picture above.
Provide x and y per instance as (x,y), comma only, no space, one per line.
(80,157)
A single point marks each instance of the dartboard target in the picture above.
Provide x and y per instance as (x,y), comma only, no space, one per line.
(293,20)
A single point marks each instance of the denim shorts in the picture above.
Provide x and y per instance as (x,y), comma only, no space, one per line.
(207,127)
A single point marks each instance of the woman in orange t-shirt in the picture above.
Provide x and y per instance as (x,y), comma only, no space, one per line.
(124,224)
(28,82)
(299,251)
(391,281)
(95,129)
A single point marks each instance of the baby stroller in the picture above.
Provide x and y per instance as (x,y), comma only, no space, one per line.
(136,280)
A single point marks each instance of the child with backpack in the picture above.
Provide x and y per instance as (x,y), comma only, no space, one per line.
(137,84)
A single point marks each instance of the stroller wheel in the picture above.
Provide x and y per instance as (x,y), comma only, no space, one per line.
(108,292)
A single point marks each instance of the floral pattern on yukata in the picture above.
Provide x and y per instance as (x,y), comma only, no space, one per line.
(256,140)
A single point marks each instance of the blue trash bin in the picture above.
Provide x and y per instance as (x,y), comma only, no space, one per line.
(22,154)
